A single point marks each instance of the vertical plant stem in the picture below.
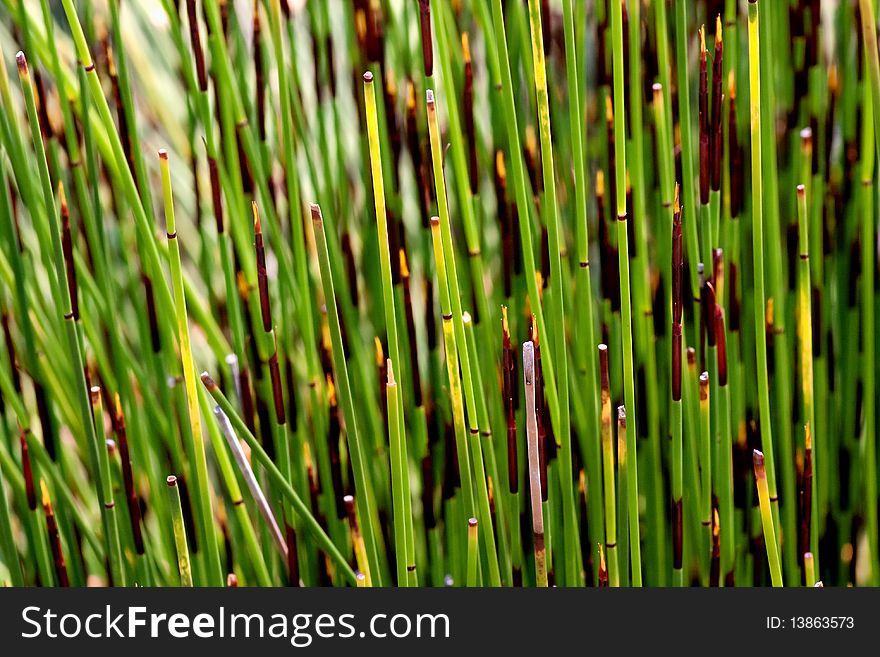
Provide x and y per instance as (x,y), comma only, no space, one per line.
(758,258)
(197,448)
(528,350)
(607,439)
(724,449)
(454,295)
(183,562)
(805,339)
(117,567)
(583,281)
(687,137)
(523,203)
(705,463)
(558,344)
(364,491)
(472,553)
(399,462)
(7,541)
(357,539)
(767,519)
(632,473)
(74,339)
(868,239)
(677,445)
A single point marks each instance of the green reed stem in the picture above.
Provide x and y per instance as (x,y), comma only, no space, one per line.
(472,554)
(705,463)
(687,143)
(74,339)
(625,297)
(278,479)
(363,488)
(758,255)
(607,439)
(183,562)
(560,350)
(116,560)
(197,448)
(460,340)
(868,239)
(404,549)
(770,539)
(452,369)
(583,282)
(398,463)
(805,338)
(523,203)
(449,260)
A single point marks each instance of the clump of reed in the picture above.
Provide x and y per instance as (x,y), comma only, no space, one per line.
(345,293)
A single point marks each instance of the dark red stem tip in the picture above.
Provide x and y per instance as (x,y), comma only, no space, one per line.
(603,367)
(208,382)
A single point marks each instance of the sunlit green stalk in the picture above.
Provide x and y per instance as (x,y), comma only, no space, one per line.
(197,449)
(404,548)
(758,256)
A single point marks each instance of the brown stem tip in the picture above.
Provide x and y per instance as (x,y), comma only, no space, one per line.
(67,251)
(208,382)
(603,367)
(758,460)
(721,343)
(21,60)
(171,480)
(427,39)
(27,471)
(196,43)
